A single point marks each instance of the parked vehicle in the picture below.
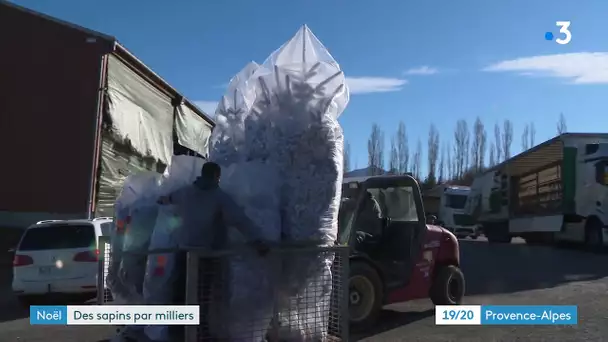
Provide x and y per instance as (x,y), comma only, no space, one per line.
(85,115)
(405,259)
(58,257)
(554,192)
(447,203)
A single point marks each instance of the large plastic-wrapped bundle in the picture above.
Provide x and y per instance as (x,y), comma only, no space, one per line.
(304,92)
(124,273)
(158,281)
(284,118)
(253,182)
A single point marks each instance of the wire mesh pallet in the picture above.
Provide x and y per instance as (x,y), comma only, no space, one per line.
(294,293)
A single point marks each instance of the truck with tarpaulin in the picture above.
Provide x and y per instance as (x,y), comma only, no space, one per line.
(79,114)
(556,191)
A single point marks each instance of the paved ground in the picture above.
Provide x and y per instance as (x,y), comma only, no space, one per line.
(496,274)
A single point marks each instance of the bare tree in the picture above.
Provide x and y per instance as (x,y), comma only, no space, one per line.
(492,154)
(393,163)
(346,156)
(403,150)
(467,148)
(497,143)
(532,133)
(482,147)
(433,153)
(442,174)
(524,138)
(450,164)
(461,148)
(507,139)
(375,150)
(417,160)
(478,148)
(561,124)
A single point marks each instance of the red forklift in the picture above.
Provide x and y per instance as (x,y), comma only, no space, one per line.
(397,253)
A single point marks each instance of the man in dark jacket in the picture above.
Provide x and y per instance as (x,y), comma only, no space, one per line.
(206,213)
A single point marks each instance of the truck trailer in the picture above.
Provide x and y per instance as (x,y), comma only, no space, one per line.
(554,192)
(79,113)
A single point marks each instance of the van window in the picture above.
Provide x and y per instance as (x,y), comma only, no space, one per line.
(59,236)
(456,201)
(106,228)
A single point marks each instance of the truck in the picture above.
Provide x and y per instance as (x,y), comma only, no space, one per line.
(79,114)
(447,203)
(555,192)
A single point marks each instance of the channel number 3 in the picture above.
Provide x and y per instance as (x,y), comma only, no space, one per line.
(563,28)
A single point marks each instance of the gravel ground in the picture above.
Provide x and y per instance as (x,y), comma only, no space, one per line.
(496,274)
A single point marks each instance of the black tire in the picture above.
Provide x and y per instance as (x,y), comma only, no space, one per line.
(360,271)
(594,237)
(448,286)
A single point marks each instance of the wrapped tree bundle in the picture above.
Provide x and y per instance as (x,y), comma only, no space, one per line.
(238,145)
(159,277)
(302,91)
(131,233)
(281,122)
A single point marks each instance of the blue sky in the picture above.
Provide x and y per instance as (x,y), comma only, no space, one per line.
(421,62)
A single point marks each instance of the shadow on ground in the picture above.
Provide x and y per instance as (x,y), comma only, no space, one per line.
(391,319)
(506,268)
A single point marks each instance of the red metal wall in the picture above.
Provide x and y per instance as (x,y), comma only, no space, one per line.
(48,107)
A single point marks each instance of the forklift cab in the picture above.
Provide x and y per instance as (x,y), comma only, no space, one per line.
(391,237)
(395,255)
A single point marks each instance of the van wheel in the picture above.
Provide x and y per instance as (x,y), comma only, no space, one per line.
(365,296)
(448,286)
(594,237)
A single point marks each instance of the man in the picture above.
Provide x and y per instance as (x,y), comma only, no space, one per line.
(206,212)
(369,222)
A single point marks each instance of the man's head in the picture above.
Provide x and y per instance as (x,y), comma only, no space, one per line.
(211,172)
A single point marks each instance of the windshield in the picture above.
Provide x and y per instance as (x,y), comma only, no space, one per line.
(456,201)
(58,237)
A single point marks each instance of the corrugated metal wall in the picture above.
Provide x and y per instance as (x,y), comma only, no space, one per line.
(50,75)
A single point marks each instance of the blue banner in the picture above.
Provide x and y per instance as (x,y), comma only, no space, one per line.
(48,315)
(529,315)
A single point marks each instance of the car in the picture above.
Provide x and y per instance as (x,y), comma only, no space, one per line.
(58,257)
(397,255)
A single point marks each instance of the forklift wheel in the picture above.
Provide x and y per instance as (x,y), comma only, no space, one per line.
(365,296)
(448,286)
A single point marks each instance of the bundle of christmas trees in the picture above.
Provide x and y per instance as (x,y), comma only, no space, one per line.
(280,146)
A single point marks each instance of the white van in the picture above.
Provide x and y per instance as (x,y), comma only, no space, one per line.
(58,257)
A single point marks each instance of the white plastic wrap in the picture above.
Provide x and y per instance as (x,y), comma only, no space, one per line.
(284,118)
(158,286)
(251,279)
(122,279)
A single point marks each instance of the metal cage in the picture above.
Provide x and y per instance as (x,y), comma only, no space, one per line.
(294,293)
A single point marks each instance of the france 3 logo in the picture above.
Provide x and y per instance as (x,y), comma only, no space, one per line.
(564,30)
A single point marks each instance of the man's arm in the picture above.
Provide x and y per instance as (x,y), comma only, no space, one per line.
(171,198)
(233,215)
